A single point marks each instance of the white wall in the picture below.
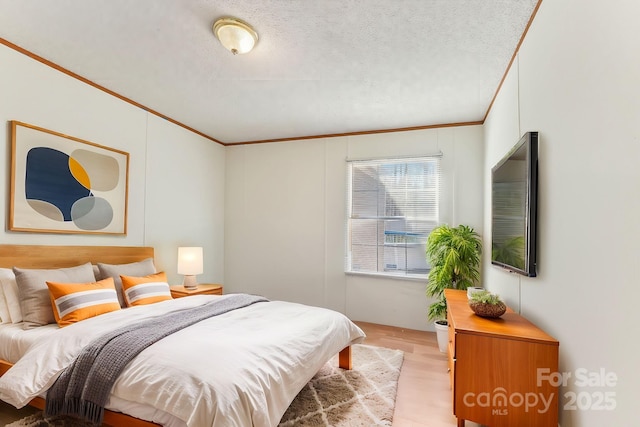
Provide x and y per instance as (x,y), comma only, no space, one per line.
(184,198)
(169,204)
(285,219)
(37,94)
(576,82)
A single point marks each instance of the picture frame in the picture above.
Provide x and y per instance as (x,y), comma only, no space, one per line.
(63,184)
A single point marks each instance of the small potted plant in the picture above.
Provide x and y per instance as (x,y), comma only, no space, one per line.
(454,256)
(486,304)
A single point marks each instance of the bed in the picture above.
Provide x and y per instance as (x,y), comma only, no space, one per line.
(240,368)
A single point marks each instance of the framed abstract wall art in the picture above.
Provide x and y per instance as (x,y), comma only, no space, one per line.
(62,184)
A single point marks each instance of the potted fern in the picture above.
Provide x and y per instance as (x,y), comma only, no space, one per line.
(454,256)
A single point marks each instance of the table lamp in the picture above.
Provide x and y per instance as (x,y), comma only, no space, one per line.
(190,264)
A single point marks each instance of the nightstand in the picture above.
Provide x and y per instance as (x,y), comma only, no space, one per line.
(179,291)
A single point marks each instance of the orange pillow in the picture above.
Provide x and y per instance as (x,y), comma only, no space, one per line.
(73,302)
(145,290)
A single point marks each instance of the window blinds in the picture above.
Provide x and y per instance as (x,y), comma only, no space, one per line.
(393,206)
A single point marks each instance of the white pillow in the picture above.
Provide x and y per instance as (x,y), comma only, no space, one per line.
(4,310)
(10,291)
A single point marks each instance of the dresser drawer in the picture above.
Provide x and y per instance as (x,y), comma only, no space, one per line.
(451,353)
(452,367)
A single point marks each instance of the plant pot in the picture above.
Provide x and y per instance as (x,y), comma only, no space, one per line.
(488,310)
(442,333)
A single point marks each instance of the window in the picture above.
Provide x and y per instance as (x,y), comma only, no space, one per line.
(393,206)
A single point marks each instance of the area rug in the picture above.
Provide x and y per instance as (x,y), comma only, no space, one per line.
(362,397)
(36,420)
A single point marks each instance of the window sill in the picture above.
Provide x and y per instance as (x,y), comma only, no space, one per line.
(411,278)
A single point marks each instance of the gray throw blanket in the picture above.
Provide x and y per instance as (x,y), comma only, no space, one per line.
(84,386)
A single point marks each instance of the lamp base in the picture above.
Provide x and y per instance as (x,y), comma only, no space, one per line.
(190,282)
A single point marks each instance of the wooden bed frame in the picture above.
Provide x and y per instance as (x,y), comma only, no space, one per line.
(41,256)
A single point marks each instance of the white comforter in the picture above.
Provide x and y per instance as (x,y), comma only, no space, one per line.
(242,368)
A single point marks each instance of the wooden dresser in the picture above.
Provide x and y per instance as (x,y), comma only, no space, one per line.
(500,368)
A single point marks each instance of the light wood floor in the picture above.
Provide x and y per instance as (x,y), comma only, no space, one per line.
(424,396)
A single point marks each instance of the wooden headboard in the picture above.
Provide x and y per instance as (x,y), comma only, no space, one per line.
(40,256)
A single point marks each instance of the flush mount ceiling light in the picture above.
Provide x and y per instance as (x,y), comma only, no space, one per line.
(235,35)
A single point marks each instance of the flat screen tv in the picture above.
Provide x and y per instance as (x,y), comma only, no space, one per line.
(514,208)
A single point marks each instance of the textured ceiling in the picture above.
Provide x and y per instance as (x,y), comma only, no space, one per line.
(320,67)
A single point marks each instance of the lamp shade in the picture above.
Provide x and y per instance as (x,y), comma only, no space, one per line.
(190,260)
(235,35)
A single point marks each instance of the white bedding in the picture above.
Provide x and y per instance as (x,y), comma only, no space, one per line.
(242,368)
(15,341)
